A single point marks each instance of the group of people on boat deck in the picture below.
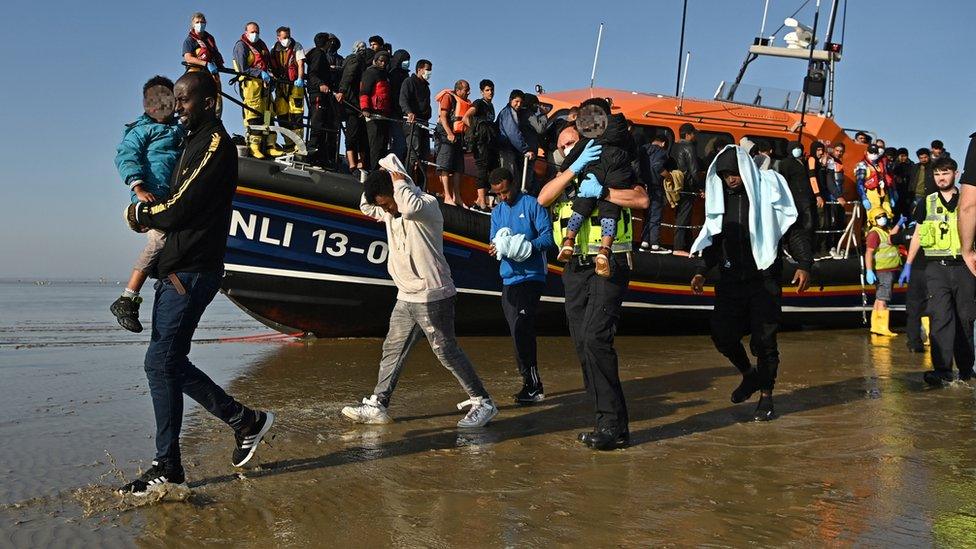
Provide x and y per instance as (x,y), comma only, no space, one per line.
(761,219)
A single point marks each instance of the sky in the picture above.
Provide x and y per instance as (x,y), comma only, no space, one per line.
(75,76)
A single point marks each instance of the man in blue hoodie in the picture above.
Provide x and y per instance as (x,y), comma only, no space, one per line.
(520,233)
(145,159)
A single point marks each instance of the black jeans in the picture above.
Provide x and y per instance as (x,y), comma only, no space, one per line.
(485,160)
(916,305)
(951,289)
(519,303)
(593,310)
(378,133)
(682,218)
(323,130)
(171,374)
(750,306)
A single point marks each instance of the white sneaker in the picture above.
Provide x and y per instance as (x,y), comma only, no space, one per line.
(481,412)
(655,249)
(644,246)
(370,412)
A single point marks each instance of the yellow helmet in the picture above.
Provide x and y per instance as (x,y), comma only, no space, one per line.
(876,212)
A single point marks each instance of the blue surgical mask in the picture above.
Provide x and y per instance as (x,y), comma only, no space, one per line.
(252,37)
(199,27)
(405,64)
(882,221)
(797,152)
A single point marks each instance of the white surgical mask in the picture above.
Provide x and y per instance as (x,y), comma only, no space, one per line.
(558,157)
(425,75)
(797,152)
(285,42)
(873,157)
(252,37)
(566,150)
(199,27)
(882,221)
(405,64)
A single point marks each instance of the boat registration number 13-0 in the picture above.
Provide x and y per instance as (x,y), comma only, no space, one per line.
(334,243)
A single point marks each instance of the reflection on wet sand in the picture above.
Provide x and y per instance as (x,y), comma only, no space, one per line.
(863,453)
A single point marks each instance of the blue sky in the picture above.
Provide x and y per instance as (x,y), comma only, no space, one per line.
(74,77)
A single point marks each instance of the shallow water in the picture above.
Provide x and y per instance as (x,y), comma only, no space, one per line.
(862,453)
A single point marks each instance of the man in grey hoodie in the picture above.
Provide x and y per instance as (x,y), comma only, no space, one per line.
(425,296)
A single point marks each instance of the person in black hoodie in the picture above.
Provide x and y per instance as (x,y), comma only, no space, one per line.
(613,170)
(190,268)
(748,300)
(685,156)
(357,145)
(414,101)
(324,65)
(399,71)
(376,102)
(794,171)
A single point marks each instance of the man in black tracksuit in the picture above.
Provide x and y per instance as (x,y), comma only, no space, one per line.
(189,270)
(748,300)
(323,65)
(685,156)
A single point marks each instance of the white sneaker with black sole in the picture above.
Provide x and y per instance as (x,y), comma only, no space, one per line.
(370,412)
(157,475)
(248,439)
(481,412)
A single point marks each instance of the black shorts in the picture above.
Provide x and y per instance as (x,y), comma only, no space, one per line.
(450,156)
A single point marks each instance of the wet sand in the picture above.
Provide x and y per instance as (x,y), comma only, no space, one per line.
(862,453)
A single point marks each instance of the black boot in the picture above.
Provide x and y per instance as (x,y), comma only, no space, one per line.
(605,439)
(764,410)
(126,311)
(748,386)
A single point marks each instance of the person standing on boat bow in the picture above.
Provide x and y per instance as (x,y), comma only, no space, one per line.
(425,293)
(593,302)
(750,215)
(189,270)
(200,53)
(252,61)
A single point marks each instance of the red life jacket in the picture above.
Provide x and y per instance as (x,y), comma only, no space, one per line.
(283,63)
(456,115)
(207,48)
(259,51)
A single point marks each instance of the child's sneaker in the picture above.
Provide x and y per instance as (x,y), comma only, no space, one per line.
(126,311)
(566,251)
(603,262)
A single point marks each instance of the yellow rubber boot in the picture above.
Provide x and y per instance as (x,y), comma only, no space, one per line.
(272,146)
(879,323)
(255,143)
(926,323)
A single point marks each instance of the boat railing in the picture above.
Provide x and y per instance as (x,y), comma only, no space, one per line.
(767,97)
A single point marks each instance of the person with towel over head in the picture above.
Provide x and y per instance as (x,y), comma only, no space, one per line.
(750,217)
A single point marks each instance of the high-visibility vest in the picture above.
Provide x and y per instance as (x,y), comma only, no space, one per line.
(589,238)
(886,257)
(939,233)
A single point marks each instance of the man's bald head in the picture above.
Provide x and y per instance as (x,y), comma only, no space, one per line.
(196,99)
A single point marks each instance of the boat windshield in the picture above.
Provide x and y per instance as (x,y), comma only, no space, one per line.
(764,96)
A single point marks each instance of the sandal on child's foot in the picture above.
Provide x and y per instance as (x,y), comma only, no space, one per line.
(602,267)
(566,251)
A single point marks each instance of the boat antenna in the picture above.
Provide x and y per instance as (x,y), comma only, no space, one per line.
(803,108)
(596,56)
(762,28)
(681,48)
(684,78)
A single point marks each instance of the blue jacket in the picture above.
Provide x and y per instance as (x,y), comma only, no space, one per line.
(149,152)
(526,217)
(510,130)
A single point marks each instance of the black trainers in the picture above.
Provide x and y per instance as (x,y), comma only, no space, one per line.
(248,439)
(156,475)
(936,379)
(747,388)
(126,311)
(764,410)
(605,439)
(530,394)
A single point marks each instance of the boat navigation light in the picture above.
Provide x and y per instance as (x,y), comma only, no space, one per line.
(801,36)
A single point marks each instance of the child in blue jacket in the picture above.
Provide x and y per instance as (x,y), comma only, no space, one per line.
(146,159)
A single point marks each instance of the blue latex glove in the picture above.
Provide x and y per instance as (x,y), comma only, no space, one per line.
(906,273)
(870,277)
(590,153)
(299,83)
(866,203)
(902,221)
(266,77)
(590,188)
(892,203)
(212,67)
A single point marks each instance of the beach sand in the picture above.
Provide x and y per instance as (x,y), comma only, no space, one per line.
(862,453)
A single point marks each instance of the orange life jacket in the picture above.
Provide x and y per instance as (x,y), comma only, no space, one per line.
(455,116)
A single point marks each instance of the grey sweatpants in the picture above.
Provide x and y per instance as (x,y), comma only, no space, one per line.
(408,322)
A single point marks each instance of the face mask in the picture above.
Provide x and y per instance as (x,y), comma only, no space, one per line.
(797,153)
(425,75)
(558,157)
(405,64)
(199,27)
(568,149)
(882,221)
(252,37)
(285,42)
(873,157)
